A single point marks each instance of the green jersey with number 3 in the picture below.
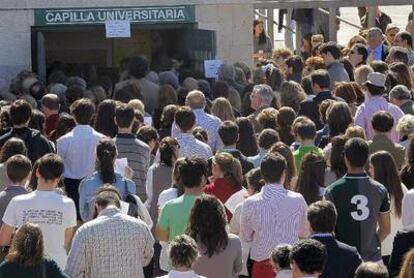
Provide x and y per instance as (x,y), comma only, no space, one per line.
(358,200)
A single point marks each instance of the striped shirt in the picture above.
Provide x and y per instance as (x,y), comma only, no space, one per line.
(209,122)
(138,156)
(271,217)
(112,245)
(190,146)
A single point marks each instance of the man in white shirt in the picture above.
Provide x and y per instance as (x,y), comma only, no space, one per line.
(53,212)
(78,147)
(189,146)
(273,216)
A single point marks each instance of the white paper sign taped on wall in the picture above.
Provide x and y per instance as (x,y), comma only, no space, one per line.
(118,29)
(211,68)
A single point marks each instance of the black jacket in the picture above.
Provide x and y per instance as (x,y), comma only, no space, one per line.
(403,242)
(37,145)
(310,107)
(384,52)
(343,259)
(303,15)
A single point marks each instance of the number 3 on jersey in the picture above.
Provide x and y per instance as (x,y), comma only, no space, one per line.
(362,212)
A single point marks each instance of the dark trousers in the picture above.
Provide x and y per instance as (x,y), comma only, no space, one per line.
(153,268)
(72,190)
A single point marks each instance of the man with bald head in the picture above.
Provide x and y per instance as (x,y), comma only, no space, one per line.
(197,102)
(50,107)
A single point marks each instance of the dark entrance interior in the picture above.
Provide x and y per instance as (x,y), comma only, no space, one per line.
(85,46)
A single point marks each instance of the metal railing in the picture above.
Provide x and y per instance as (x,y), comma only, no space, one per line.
(329,8)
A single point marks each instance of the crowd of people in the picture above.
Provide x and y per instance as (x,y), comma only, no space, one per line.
(300,167)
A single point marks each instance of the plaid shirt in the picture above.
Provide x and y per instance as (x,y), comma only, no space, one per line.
(112,245)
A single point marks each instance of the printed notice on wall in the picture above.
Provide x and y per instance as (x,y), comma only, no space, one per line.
(118,29)
(211,68)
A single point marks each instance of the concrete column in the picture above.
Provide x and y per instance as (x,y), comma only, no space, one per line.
(270,25)
(332,24)
(372,10)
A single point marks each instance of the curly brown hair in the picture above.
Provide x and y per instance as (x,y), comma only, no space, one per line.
(27,246)
(207,224)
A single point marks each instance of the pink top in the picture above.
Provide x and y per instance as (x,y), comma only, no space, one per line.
(366,111)
(272,217)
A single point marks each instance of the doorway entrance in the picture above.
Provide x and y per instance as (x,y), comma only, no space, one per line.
(86,46)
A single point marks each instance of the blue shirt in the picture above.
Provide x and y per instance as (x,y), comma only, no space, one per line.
(211,124)
(377,53)
(89,186)
(257,159)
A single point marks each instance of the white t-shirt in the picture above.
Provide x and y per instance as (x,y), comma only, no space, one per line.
(54,213)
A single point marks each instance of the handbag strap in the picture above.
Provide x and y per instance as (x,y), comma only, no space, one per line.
(125,187)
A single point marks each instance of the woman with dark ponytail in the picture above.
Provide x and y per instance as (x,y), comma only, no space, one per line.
(159,174)
(106,154)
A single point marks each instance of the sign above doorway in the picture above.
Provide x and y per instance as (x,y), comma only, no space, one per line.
(139,15)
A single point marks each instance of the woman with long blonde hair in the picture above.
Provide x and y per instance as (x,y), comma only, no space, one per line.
(223,110)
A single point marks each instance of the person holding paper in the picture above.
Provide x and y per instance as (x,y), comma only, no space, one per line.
(134,150)
(106,153)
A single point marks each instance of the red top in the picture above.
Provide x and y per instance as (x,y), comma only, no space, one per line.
(51,123)
(223,189)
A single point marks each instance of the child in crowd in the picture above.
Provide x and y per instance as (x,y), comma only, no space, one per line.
(18,169)
(183,254)
(305,131)
(281,261)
